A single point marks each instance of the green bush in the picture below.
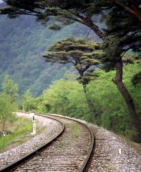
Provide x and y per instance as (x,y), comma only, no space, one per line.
(6,110)
(113,112)
(67,97)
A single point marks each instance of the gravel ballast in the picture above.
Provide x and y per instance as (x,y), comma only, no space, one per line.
(66,154)
(52,127)
(112,153)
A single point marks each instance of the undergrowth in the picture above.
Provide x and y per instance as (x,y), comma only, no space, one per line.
(19,128)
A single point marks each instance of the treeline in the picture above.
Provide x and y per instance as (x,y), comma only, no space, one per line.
(23,42)
(120,35)
(66,96)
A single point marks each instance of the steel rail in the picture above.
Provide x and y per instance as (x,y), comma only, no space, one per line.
(84,166)
(15,164)
(52,116)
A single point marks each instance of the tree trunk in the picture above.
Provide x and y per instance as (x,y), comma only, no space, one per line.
(118,81)
(90,105)
(127,97)
(133,9)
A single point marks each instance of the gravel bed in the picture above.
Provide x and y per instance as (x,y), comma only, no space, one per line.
(12,155)
(113,153)
(66,154)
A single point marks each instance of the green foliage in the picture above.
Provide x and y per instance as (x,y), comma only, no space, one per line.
(75,131)
(21,52)
(27,101)
(6,110)
(10,88)
(122,33)
(67,97)
(82,53)
(21,128)
(113,113)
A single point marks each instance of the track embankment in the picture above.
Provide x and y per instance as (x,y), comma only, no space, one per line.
(52,129)
(72,150)
(69,152)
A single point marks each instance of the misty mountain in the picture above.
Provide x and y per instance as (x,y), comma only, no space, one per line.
(23,40)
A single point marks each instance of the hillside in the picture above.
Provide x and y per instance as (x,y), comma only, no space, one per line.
(80,77)
(23,41)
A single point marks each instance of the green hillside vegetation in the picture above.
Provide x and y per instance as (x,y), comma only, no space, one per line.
(84,55)
(113,96)
(23,41)
(66,97)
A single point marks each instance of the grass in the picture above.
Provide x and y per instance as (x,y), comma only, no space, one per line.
(110,168)
(75,131)
(19,128)
(74,134)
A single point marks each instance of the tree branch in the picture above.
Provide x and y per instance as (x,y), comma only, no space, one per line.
(124,6)
(135,10)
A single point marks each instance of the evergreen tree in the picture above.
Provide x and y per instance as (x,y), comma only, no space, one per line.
(123,26)
(65,12)
(83,54)
(131,6)
(123,33)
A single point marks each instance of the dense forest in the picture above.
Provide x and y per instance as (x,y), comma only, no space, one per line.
(23,41)
(96,78)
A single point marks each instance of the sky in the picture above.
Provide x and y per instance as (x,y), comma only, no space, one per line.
(1,1)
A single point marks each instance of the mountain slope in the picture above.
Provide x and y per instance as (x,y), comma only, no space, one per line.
(23,40)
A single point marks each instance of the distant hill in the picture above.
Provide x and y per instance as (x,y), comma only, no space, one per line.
(23,40)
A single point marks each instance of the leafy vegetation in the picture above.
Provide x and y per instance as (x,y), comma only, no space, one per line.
(10,89)
(111,105)
(20,127)
(75,131)
(22,44)
(6,110)
(66,97)
(120,36)
(11,127)
(83,54)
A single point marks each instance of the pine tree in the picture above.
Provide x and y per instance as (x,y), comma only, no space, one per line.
(83,54)
(123,30)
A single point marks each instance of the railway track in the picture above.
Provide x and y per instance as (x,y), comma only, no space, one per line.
(69,151)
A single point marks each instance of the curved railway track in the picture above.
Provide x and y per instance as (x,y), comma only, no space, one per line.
(69,151)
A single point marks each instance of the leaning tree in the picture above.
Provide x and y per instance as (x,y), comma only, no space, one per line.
(122,31)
